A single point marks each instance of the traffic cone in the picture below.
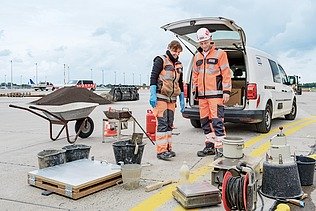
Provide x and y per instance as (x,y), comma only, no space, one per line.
(109,130)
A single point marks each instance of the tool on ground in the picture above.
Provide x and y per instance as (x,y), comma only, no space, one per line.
(141,128)
(296,202)
(199,194)
(157,185)
(239,189)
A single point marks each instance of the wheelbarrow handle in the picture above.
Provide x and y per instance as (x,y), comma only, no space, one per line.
(30,110)
(50,113)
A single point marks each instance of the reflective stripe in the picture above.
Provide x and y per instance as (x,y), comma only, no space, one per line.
(211,70)
(215,92)
(165,97)
(224,66)
(226,85)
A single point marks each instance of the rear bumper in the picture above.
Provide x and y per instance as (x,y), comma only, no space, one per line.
(230,115)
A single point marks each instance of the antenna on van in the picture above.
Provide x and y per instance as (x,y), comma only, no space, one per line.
(185,44)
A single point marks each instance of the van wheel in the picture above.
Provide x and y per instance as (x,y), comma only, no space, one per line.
(292,115)
(265,125)
(195,123)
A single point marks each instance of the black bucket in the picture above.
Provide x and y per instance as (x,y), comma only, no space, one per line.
(76,152)
(281,180)
(48,158)
(306,169)
(124,151)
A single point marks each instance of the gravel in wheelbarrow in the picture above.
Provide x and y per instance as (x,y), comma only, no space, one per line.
(67,95)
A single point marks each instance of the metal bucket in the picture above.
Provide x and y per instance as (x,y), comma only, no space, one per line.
(233,147)
(48,158)
(131,175)
(76,152)
(281,180)
(126,152)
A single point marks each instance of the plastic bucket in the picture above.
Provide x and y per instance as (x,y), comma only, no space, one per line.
(131,175)
(306,169)
(48,158)
(125,152)
(233,147)
(76,152)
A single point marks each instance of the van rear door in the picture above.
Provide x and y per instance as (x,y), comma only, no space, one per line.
(224,31)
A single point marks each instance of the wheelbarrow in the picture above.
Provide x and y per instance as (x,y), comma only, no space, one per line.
(62,114)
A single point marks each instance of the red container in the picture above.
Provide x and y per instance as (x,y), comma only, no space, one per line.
(150,122)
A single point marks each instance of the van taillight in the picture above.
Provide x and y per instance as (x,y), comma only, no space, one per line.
(252,91)
(185,90)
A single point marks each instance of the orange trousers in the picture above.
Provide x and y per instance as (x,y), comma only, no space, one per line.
(212,116)
(164,113)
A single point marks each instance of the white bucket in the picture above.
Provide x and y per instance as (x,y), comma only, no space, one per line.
(233,147)
(131,175)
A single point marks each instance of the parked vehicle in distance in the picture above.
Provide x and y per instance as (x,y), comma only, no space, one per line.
(42,86)
(261,89)
(88,84)
(296,84)
(124,92)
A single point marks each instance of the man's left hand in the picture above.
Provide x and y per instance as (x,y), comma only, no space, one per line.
(225,98)
(181,98)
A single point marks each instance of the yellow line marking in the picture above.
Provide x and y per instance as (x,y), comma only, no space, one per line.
(265,147)
(165,195)
(258,138)
(158,199)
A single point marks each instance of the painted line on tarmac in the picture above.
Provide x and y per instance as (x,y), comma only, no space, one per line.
(258,138)
(265,146)
(158,199)
(163,196)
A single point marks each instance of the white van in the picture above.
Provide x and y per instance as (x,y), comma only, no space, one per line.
(261,90)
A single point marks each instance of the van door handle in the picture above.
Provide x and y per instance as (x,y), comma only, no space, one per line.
(284,90)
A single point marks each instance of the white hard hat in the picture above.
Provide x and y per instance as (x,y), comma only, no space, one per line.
(203,34)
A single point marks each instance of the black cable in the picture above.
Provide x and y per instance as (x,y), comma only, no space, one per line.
(234,193)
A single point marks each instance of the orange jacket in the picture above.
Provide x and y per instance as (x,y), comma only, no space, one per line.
(211,74)
(168,81)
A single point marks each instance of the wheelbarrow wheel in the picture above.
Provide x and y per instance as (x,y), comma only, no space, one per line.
(87,128)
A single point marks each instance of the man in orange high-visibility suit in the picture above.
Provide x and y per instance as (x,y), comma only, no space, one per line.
(211,85)
(166,84)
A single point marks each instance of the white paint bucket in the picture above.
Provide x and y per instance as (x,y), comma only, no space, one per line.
(233,147)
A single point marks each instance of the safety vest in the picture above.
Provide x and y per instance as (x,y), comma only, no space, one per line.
(168,81)
(212,74)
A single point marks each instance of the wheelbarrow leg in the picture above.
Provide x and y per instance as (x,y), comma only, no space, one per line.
(61,130)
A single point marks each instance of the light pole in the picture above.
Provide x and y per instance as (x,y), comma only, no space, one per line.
(91,73)
(140,79)
(124,78)
(68,73)
(36,72)
(11,75)
(21,81)
(103,77)
(133,78)
(148,79)
(64,74)
(5,79)
(114,77)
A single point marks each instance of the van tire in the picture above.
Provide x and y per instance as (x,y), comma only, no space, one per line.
(265,125)
(195,123)
(292,115)
(87,129)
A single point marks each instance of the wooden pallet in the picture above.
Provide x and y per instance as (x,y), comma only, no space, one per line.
(74,190)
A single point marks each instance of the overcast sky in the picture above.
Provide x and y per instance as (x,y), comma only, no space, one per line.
(124,36)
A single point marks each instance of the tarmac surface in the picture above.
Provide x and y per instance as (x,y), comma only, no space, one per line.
(24,134)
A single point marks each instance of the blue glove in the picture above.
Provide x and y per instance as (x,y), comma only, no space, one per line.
(153,96)
(181,98)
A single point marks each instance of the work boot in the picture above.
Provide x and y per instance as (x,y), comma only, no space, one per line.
(218,153)
(164,156)
(208,150)
(172,153)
